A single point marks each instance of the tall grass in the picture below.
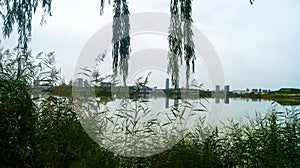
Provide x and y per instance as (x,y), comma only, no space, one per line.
(17,110)
(45,132)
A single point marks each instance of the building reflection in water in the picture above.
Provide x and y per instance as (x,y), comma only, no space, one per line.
(226,100)
(167,103)
(218,100)
(176,102)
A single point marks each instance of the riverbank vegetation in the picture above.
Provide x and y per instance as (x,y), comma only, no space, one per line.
(49,134)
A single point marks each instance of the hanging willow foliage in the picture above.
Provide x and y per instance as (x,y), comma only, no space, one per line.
(181,39)
(175,42)
(102,6)
(121,37)
(20,12)
(125,41)
(189,45)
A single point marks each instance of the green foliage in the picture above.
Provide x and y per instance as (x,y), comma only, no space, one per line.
(102,6)
(20,13)
(268,141)
(17,110)
(37,129)
(175,42)
(121,38)
(181,39)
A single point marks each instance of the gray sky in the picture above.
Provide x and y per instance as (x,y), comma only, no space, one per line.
(257,45)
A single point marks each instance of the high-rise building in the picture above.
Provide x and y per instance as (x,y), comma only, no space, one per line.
(218,88)
(226,89)
(176,85)
(254,90)
(86,83)
(79,82)
(167,83)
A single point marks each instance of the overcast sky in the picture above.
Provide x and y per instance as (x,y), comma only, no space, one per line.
(258,45)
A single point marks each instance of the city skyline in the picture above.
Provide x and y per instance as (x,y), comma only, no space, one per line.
(79,82)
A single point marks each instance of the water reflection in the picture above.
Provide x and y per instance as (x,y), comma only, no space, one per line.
(236,109)
(140,126)
(225,99)
(167,102)
(146,123)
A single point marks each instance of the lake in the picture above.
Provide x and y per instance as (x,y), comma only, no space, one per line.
(216,110)
(148,125)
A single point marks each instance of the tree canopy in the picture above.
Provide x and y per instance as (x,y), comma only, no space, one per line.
(20,12)
(180,38)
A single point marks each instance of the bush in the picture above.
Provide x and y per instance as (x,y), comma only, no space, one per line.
(17,113)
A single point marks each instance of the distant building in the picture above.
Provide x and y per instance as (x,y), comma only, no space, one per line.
(247,90)
(145,89)
(86,83)
(226,89)
(167,83)
(79,82)
(218,88)
(105,84)
(176,85)
(265,91)
(254,91)
(239,91)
